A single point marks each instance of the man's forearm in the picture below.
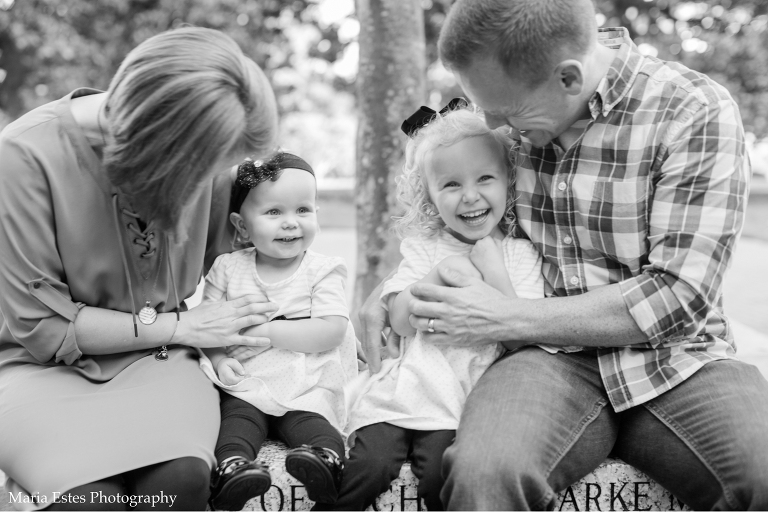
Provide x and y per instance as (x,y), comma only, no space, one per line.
(598,318)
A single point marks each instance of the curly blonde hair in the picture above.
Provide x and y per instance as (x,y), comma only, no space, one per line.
(421,216)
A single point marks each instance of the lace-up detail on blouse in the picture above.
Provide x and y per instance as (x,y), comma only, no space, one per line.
(144,237)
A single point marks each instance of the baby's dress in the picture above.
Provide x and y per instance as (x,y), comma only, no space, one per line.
(282,380)
(426,386)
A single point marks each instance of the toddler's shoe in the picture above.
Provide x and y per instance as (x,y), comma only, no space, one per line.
(319,469)
(236,480)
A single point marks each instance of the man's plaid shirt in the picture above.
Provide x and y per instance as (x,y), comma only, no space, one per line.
(651,196)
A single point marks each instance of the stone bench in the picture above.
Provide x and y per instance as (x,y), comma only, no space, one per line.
(614,485)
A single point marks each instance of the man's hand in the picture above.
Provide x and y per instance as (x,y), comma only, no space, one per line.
(466,312)
(373,320)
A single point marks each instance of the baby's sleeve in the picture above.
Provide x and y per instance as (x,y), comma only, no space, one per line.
(328,295)
(525,272)
(416,264)
(216,280)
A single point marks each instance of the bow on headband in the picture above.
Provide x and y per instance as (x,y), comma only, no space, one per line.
(425,115)
(250,174)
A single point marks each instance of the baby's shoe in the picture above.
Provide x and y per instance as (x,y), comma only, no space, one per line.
(236,480)
(319,469)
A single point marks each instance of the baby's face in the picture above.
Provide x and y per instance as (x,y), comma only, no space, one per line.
(280,216)
(467,182)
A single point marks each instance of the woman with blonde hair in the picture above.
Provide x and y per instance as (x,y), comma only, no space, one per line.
(112,207)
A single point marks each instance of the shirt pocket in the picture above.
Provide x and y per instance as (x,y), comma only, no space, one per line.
(618,221)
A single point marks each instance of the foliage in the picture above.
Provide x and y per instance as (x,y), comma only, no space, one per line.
(725,39)
(50,47)
(309,50)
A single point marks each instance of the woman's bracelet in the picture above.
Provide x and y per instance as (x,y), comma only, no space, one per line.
(161,354)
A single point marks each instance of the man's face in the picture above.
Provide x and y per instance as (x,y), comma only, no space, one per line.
(540,114)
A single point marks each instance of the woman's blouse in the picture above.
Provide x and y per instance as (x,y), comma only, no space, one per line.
(60,247)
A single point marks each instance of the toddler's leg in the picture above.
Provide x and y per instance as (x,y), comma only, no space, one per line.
(428,448)
(301,427)
(237,476)
(317,456)
(374,461)
(243,429)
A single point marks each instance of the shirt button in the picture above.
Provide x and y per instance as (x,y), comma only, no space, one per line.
(574,280)
(561,186)
(567,239)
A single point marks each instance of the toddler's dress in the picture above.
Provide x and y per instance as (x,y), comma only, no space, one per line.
(282,380)
(426,386)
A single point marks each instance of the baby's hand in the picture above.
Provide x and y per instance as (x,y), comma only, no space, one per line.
(230,371)
(488,258)
(460,264)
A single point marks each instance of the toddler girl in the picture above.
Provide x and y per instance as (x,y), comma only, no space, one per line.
(293,387)
(457,188)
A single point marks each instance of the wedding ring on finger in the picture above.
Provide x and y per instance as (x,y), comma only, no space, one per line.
(431,326)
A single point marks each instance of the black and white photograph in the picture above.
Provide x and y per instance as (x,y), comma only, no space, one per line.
(282,255)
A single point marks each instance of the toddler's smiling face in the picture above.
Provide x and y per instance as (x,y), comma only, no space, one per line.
(280,217)
(467,183)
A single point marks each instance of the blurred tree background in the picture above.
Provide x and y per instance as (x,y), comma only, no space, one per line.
(309,48)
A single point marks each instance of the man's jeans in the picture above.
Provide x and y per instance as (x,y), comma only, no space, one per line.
(536,423)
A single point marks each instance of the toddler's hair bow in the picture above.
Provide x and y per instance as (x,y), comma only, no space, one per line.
(425,115)
(250,174)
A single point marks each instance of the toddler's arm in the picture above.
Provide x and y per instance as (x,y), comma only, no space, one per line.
(215,354)
(310,335)
(399,311)
(486,261)
(488,258)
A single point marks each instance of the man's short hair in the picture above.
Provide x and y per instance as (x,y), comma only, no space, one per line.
(527,37)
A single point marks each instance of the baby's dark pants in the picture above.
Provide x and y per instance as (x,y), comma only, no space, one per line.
(244,428)
(375,460)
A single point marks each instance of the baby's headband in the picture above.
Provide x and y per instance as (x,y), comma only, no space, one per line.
(250,174)
(425,115)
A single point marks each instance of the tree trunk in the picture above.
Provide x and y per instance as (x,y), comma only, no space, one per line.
(390,87)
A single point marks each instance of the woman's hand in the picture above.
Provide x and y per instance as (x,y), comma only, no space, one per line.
(230,371)
(466,312)
(218,324)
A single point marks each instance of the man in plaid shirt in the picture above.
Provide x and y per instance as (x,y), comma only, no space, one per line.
(632,184)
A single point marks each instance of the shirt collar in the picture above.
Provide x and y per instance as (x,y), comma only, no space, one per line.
(622,73)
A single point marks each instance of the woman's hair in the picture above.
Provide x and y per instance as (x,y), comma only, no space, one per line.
(526,37)
(421,217)
(180,105)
